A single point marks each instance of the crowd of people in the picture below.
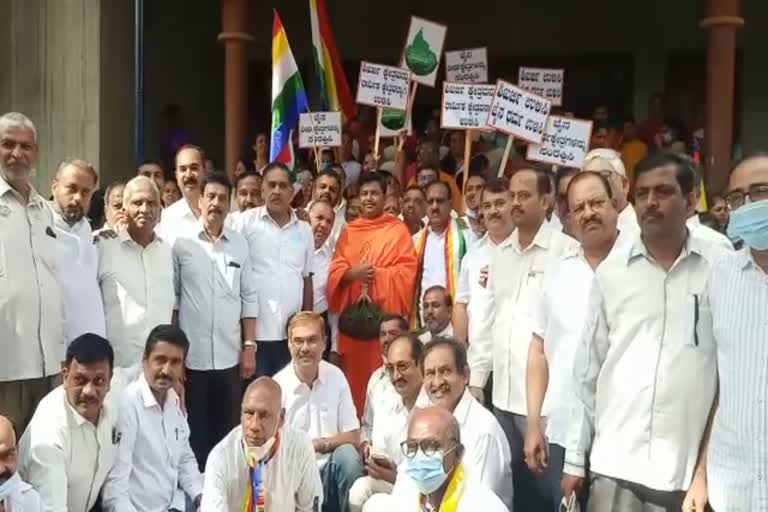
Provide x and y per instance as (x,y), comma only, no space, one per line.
(398,330)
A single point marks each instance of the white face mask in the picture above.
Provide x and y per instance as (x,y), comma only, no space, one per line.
(255,454)
(8,487)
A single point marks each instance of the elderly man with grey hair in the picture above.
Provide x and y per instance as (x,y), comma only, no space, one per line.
(136,280)
(31,326)
(78,258)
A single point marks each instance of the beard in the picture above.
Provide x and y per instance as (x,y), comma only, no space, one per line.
(72,214)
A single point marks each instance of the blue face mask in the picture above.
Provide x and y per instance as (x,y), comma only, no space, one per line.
(426,471)
(750,224)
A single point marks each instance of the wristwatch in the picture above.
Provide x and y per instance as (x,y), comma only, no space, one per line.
(251,343)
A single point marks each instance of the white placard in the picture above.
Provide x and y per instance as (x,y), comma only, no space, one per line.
(322,129)
(466,106)
(383,86)
(565,142)
(467,66)
(423,48)
(547,83)
(518,113)
(388,130)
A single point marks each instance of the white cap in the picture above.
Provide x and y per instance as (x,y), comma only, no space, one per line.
(611,157)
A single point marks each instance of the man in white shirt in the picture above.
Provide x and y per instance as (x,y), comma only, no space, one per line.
(646,359)
(281,249)
(246,196)
(487,455)
(70,444)
(136,280)
(515,277)
(15,494)
(154,171)
(382,454)
(31,316)
(437,312)
(318,401)
(72,189)
(321,221)
(218,304)
(114,216)
(440,247)
(183,214)
(473,193)
(328,186)
(608,163)
(558,325)
(265,453)
(433,476)
(559,219)
(153,456)
(732,469)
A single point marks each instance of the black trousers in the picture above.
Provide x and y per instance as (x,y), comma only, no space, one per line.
(213,408)
(271,357)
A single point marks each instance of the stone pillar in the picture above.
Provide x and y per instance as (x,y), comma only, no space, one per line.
(235,36)
(721,22)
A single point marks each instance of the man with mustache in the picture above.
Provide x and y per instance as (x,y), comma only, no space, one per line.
(440,247)
(183,214)
(72,189)
(382,454)
(437,312)
(70,444)
(608,163)
(446,383)
(414,208)
(265,453)
(246,196)
(281,249)
(472,195)
(558,325)
(218,304)
(515,275)
(730,472)
(328,187)
(136,280)
(15,494)
(31,327)
(647,357)
(321,221)
(154,457)
(310,385)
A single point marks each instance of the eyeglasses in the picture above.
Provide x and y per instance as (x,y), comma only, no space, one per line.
(430,448)
(756,192)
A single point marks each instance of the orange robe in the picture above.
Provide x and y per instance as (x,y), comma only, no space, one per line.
(386,244)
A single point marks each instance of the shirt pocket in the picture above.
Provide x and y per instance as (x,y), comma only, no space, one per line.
(232,274)
(697,318)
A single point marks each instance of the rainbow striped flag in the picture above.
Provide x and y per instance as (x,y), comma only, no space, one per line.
(289,98)
(334,89)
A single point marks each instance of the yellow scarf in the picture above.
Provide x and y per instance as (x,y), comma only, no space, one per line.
(453,494)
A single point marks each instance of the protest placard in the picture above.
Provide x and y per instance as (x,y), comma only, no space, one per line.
(466,106)
(383,86)
(321,129)
(467,66)
(565,142)
(423,47)
(518,113)
(547,83)
(394,122)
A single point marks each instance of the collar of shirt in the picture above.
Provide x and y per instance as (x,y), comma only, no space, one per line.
(80,420)
(325,248)
(541,239)
(63,225)
(171,398)
(202,235)
(462,410)
(296,383)
(693,221)
(692,245)
(263,214)
(35,199)
(124,237)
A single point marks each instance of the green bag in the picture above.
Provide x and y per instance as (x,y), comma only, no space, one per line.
(361,320)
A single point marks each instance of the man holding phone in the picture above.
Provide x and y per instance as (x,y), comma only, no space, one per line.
(383,454)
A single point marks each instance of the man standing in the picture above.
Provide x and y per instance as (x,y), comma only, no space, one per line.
(265,454)
(69,447)
(487,455)
(321,221)
(608,163)
(440,247)
(154,171)
(327,187)
(732,468)
(248,191)
(414,208)
(647,356)
(437,312)
(516,272)
(190,170)
(218,304)
(78,257)
(153,456)
(558,325)
(31,326)
(351,166)
(136,280)
(317,400)
(281,249)
(382,454)
(15,494)
(472,195)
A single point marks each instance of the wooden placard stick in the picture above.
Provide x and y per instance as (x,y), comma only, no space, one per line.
(379,110)
(504,159)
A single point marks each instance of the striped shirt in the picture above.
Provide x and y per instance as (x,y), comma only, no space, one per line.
(737,462)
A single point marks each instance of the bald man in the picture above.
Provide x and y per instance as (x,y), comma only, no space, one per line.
(262,453)
(432,473)
(15,494)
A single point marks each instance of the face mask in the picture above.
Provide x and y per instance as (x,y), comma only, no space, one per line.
(426,471)
(750,224)
(9,486)
(254,454)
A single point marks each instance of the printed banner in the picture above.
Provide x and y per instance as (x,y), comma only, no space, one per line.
(466,106)
(423,48)
(565,142)
(383,86)
(320,129)
(518,113)
(467,66)
(547,83)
